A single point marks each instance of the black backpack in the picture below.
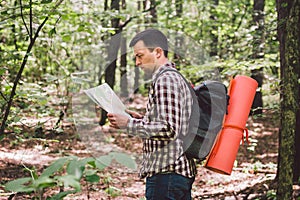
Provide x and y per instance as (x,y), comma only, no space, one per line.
(207,117)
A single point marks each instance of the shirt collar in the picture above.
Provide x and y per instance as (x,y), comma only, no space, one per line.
(161,68)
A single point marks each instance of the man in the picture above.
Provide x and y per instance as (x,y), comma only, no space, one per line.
(169,173)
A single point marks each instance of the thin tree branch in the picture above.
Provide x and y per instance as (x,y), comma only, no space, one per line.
(2,95)
(22,16)
(30,19)
(136,16)
(3,106)
(56,5)
(242,18)
(18,77)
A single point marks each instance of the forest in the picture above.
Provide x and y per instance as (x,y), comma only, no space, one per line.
(56,143)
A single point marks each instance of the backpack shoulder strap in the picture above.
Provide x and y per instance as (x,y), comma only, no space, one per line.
(170,69)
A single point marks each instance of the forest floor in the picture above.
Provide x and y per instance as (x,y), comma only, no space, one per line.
(252,176)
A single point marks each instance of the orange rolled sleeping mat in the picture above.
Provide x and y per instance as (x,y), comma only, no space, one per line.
(241,91)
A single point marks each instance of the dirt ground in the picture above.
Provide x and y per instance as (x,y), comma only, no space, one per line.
(251,178)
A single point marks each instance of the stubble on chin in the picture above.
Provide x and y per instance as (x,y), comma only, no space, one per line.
(148,74)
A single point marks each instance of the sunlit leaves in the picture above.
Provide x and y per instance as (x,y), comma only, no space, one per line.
(18,185)
(55,166)
(68,172)
(46,1)
(124,159)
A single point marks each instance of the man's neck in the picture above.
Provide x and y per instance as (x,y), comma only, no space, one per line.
(161,62)
(159,66)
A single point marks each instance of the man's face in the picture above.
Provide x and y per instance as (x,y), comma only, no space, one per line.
(144,58)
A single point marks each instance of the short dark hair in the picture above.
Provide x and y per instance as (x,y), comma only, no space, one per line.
(152,38)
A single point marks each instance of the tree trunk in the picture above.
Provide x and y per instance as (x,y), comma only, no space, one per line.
(123,62)
(296,172)
(32,37)
(136,80)
(136,69)
(178,50)
(146,20)
(258,52)
(295,33)
(103,38)
(288,32)
(153,12)
(113,47)
(123,69)
(112,51)
(214,37)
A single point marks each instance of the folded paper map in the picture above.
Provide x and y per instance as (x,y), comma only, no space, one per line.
(107,99)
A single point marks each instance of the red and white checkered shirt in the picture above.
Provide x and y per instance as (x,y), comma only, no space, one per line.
(165,122)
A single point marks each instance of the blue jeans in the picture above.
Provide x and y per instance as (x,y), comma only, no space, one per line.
(170,186)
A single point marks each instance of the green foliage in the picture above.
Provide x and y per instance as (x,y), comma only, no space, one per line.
(18,185)
(124,159)
(73,41)
(71,51)
(271,194)
(68,172)
(113,191)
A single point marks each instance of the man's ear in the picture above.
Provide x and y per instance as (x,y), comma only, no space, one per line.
(158,52)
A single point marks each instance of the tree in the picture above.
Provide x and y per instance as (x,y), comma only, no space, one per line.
(258,52)
(179,40)
(294,28)
(113,47)
(289,38)
(123,62)
(149,5)
(214,36)
(296,172)
(32,35)
(112,52)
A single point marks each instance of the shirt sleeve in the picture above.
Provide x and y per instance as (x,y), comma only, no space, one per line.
(164,122)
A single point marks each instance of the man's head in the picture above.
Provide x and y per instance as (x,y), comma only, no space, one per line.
(150,49)
(152,38)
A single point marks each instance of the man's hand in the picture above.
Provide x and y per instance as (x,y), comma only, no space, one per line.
(134,114)
(117,120)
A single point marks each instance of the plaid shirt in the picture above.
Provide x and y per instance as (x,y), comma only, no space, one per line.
(165,122)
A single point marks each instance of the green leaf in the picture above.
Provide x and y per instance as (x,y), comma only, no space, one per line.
(124,159)
(94,178)
(43,182)
(76,168)
(2,136)
(18,185)
(90,172)
(79,80)
(46,1)
(70,181)
(17,119)
(100,165)
(66,38)
(103,161)
(81,28)
(2,71)
(55,166)
(61,195)
(89,160)
(42,101)
(113,191)
(52,32)
(50,78)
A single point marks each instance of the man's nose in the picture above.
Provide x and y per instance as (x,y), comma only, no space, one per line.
(138,62)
